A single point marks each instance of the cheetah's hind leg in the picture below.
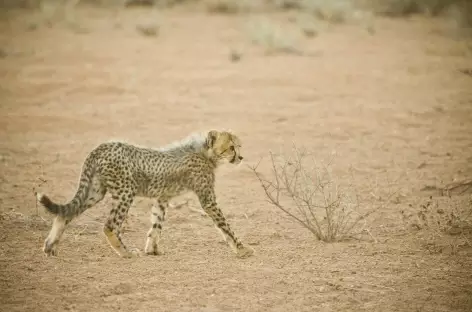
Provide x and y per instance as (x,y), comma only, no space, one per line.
(58,226)
(158,215)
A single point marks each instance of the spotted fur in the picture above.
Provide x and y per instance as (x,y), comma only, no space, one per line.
(127,171)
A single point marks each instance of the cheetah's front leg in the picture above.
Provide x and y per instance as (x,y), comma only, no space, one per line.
(209,205)
(158,215)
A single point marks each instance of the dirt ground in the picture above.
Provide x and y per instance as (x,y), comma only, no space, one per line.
(394,104)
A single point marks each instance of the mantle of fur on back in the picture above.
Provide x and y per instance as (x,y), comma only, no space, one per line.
(194,142)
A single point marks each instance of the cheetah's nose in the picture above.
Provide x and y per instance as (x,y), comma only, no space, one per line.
(241,157)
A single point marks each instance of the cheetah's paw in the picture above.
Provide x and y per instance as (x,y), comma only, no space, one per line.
(153,250)
(132,253)
(50,249)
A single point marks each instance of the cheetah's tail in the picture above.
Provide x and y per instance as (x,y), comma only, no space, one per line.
(77,205)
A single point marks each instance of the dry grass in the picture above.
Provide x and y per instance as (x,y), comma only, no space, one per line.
(442,224)
(447,215)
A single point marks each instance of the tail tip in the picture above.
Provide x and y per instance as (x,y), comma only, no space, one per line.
(39,196)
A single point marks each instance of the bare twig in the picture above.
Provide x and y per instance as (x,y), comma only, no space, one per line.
(41,182)
(81,231)
(463,186)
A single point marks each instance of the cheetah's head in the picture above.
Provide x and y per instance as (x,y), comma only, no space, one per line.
(225,146)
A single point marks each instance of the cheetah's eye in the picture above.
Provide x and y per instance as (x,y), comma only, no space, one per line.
(231,148)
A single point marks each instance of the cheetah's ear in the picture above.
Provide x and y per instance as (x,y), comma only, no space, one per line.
(211,138)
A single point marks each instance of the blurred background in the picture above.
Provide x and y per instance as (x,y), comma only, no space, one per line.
(379,92)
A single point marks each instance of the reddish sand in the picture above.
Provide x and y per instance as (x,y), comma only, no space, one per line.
(393,105)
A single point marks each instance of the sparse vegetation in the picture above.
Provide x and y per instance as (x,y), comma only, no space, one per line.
(331,11)
(445,215)
(272,37)
(461,15)
(132,3)
(235,56)
(440,224)
(401,8)
(459,12)
(309,27)
(148,30)
(308,192)
(378,101)
(228,6)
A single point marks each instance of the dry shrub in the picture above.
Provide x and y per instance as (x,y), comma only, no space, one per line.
(272,37)
(461,15)
(227,6)
(54,11)
(334,11)
(148,30)
(144,3)
(396,8)
(401,8)
(19,4)
(308,192)
(338,11)
(287,4)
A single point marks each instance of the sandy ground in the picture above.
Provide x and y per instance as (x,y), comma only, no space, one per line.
(394,105)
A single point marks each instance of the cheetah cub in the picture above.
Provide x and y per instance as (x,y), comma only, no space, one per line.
(127,171)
